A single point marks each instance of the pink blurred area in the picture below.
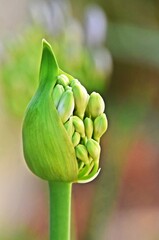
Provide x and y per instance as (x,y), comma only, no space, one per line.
(136,215)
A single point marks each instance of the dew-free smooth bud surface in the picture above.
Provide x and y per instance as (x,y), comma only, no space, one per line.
(100,126)
(76,139)
(88,123)
(73,82)
(79,125)
(81,153)
(95,105)
(69,127)
(66,105)
(63,80)
(81,99)
(60,125)
(57,93)
(93,148)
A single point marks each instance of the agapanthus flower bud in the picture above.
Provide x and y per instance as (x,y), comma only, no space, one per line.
(79,125)
(66,105)
(73,82)
(100,126)
(81,153)
(93,148)
(63,80)
(62,126)
(95,105)
(76,139)
(69,127)
(57,93)
(88,123)
(81,99)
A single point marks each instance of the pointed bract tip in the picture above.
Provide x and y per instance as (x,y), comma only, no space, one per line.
(46,44)
(46,48)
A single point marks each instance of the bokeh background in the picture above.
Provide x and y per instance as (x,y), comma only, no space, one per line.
(113,48)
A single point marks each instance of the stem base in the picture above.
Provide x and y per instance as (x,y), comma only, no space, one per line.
(60,210)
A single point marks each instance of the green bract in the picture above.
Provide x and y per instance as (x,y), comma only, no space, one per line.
(62,129)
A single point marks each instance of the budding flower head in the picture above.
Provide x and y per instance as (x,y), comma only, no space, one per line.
(62,126)
(95,105)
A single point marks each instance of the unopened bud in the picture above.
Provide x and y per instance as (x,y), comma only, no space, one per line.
(79,125)
(100,126)
(69,127)
(95,105)
(93,148)
(76,139)
(88,123)
(73,82)
(66,105)
(48,149)
(57,93)
(81,153)
(63,80)
(68,88)
(57,145)
(81,99)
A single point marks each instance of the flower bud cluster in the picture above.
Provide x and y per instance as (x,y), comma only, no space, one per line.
(62,126)
(83,118)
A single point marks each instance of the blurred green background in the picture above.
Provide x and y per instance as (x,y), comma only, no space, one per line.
(112,47)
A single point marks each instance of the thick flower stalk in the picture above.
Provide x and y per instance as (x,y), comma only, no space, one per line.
(62,128)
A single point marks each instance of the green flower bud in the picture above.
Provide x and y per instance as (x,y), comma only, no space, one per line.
(73,82)
(68,88)
(81,99)
(76,139)
(69,127)
(95,105)
(47,147)
(88,123)
(100,126)
(81,153)
(66,105)
(63,80)
(57,93)
(93,148)
(79,125)
(56,142)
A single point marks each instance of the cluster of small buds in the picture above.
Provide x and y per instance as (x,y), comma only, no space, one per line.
(83,118)
(62,126)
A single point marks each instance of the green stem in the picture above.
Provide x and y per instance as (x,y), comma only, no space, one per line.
(60,210)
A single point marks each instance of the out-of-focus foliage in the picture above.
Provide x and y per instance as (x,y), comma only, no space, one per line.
(141,13)
(19,70)
(23,234)
(19,67)
(134,43)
